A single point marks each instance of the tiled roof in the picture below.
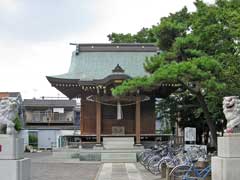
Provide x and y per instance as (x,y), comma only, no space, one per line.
(96,61)
(48,103)
(10,94)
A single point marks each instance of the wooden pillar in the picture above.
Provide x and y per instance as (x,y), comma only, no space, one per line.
(138,119)
(98,120)
(82,115)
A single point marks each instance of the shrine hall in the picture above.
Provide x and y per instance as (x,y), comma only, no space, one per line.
(97,68)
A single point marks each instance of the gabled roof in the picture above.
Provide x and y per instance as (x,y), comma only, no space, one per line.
(95,67)
(96,61)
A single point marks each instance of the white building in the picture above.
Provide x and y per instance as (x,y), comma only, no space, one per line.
(47,120)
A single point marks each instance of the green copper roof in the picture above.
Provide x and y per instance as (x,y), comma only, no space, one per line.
(88,66)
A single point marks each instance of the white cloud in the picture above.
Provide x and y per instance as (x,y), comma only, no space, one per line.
(130,16)
(8,5)
(24,67)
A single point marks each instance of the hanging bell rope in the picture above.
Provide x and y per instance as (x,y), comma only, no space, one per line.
(119,111)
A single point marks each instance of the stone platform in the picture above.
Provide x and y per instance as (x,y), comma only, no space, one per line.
(119,149)
(11,147)
(13,165)
(15,169)
(226,165)
(113,149)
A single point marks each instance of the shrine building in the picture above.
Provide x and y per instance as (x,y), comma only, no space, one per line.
(97,68)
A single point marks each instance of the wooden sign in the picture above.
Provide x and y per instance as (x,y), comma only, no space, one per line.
(118,130)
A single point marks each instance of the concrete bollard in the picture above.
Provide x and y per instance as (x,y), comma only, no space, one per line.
(168,170)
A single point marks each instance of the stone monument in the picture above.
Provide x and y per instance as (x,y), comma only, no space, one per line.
(225,166)
(8,111)
(13,165)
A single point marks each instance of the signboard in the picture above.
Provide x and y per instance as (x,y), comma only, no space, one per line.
(190,134)
(118,130)
(58,110)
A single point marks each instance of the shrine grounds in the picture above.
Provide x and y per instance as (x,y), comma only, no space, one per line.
(46,167)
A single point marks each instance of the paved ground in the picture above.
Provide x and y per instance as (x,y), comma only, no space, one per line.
(45,167)
(124,171)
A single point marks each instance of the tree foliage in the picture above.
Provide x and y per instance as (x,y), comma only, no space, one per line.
(145,35)
(18,124)
(200,51)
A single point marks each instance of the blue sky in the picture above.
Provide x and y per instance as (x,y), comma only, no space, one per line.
(35,34)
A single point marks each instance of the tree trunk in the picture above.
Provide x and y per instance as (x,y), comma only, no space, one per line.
(207,115)
(203,104)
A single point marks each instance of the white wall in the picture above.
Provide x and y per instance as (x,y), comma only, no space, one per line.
(24,134)
(46,138)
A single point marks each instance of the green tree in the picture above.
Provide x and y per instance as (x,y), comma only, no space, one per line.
(200,52)
(18,124)
(145,35)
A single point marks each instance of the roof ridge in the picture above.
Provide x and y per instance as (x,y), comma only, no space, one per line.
(114,44)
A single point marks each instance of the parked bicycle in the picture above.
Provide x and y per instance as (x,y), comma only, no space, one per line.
(177,158)
(186,172)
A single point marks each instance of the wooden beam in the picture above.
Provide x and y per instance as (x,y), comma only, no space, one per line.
(138,119)
(98,120)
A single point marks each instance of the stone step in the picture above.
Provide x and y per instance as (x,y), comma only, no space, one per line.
(114,139)
(118,146)
(118,143)
(118,157)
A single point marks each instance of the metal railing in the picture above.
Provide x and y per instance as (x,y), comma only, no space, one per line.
(50,117)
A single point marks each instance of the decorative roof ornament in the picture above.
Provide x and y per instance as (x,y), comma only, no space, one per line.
(118,69)
(77,50)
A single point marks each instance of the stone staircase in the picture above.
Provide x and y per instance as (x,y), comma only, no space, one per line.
(118,142)
(119,149)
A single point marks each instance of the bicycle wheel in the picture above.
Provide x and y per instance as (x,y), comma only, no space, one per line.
(164,162)
(152,166)
(142,155)
(178,172)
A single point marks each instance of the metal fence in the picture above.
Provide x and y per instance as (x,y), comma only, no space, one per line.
(49,117)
